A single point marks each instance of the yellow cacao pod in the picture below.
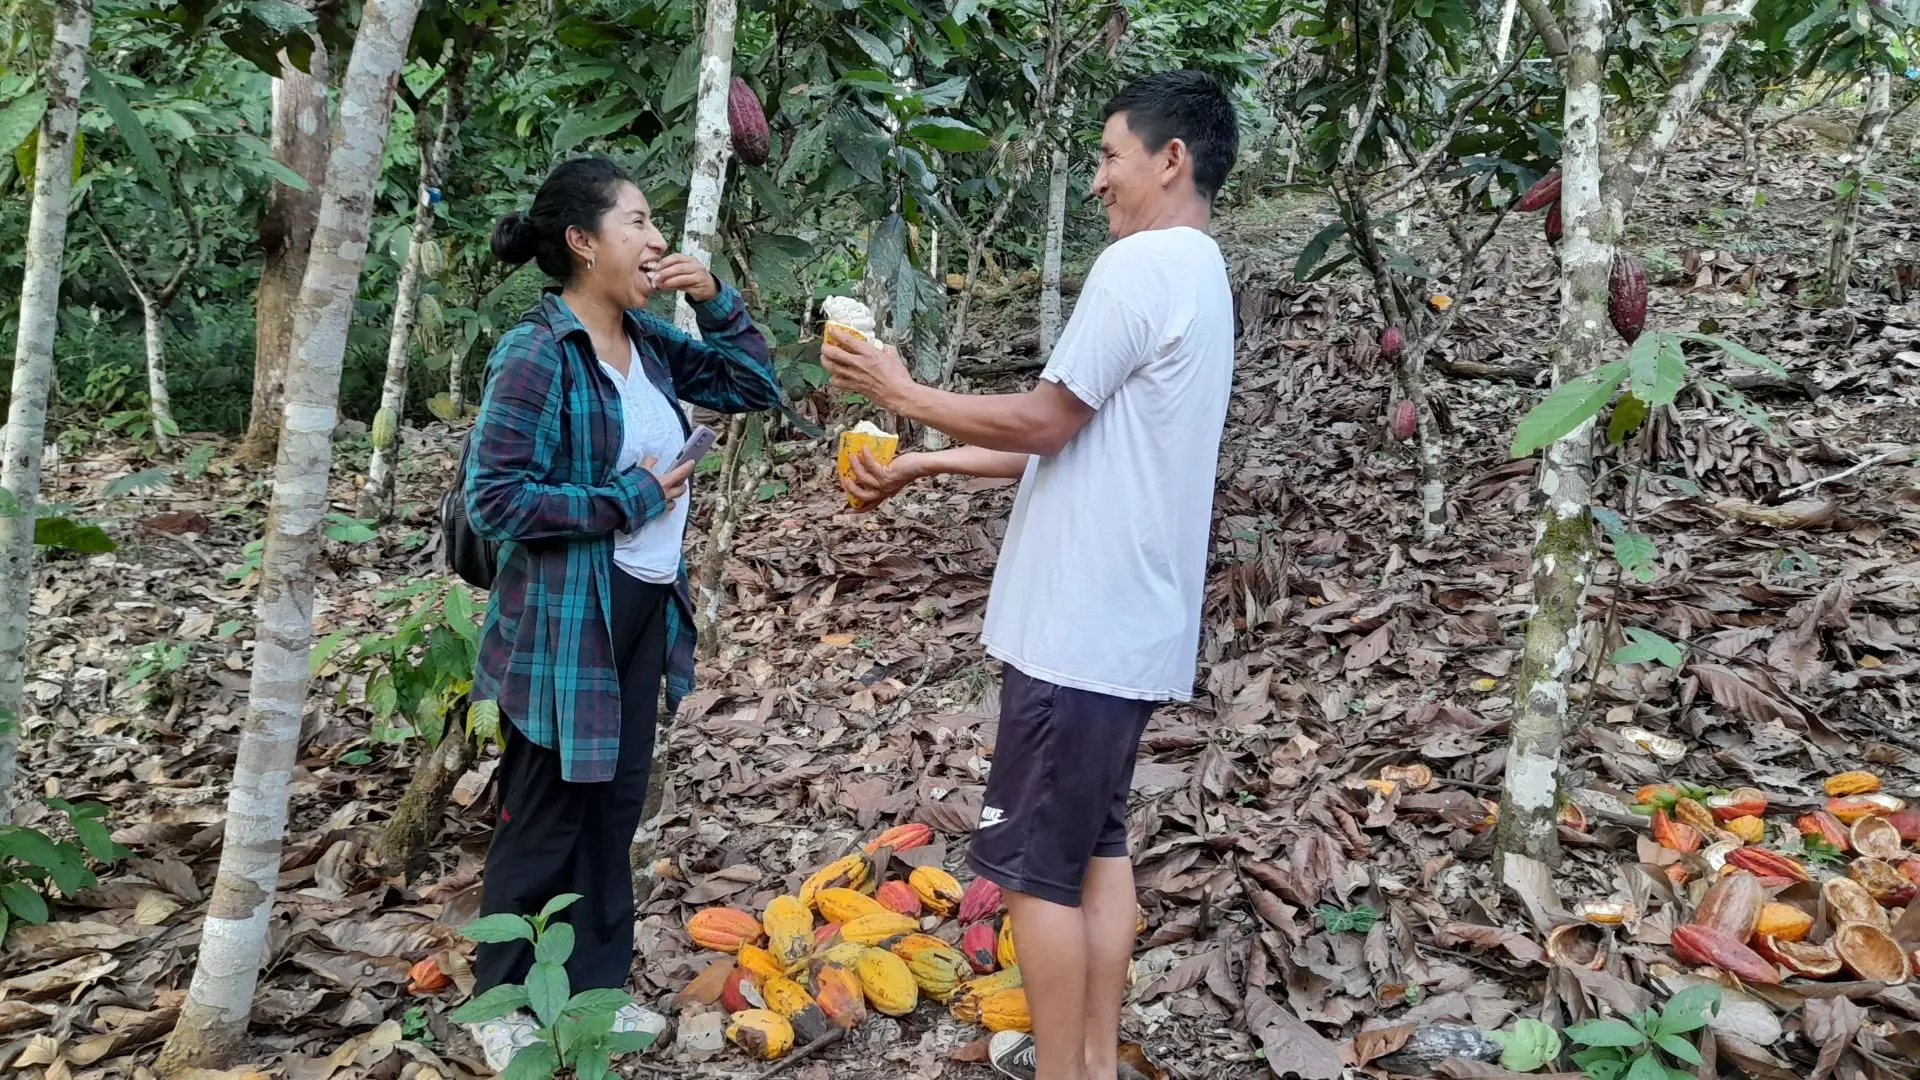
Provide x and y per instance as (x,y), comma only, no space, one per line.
(1007,957)
(878,929)
(845,905)
(937,889)
(791,1000)
(887,983)
(759,964)
(789,928)
(1006,1011)
(844,953)
(840,994)
(853,871)
(938,968)
(1749,829)
(762,1033)
(1858,782)
(723,929)
(965,1002)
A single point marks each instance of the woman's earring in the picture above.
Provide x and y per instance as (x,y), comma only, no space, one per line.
(590,262)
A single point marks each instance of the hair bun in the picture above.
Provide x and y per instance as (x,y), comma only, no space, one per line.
(513,238)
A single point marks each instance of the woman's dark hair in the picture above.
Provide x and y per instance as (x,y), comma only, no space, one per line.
(578,193)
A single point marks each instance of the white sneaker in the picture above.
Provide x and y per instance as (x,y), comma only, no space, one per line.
(501,1039)
(1012,1054)
(638,1018)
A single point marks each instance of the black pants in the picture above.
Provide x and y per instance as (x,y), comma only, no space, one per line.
(554,837)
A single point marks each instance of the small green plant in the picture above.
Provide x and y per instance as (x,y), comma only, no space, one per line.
(419,671)
(30,861)
(154,660)
(575,1030)
(413,1026)
(1530,1045)
(1636,1048)
(1359,921)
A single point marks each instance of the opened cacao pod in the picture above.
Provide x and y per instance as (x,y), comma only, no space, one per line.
(1870,953)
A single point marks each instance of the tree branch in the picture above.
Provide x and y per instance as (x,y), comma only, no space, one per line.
(1374,93)
(1418,170)
(113,249)
(188,259)
(1551,37)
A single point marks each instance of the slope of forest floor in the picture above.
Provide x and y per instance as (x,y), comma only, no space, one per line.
(851,692)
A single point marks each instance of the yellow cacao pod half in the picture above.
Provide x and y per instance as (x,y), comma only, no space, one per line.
(724,929)
(853,871)
(879,929)
(938,968)
(789,928)
(839,993)
(939,892)
(887,983)
(762,1033)
(1006,1011)
(965,1002)
(1007,957)
(1749,829)
(845,905)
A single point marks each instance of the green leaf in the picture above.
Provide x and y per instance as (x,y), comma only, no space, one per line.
(537,1062)
(145,479)
(547,990)
(20,119)
(594,1064)
(684,81)
(260,158)
(946,133)
(483,721)
(1628,414)
(556,905)
(127,124)
(1316,249)
(1745,409)
(872,46)
(493,1004)
(1679,1047)
(383,697)
(323,652)
(887,248)
(1737,351)
(1647,647)
(1658,368)
(1530,1045)
(1647,1067)
(460,617)
(1567,408)
(1691,1009)
(1603,1033)
(631,1042)
(578,129)
(497,928)
(24,901)
(555,944)
(60,532)
(600,999)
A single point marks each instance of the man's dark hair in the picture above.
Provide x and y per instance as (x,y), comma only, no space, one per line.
(1190,106)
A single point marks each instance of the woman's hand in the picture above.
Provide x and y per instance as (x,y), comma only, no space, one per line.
(674,483)
(683,273)
(872,483)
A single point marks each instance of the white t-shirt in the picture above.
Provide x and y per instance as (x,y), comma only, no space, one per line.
(1101,578)
(651,552)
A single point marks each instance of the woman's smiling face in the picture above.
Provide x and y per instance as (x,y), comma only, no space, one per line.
(625,250)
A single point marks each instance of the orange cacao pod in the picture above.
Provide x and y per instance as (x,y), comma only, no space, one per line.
(791,1000)
(977,944)
(938,968)
(426,977)
(938,891)
(853,871)
(980,901)
(759,964)
(1676,835)
(1662,796)
(1008,958)
(1006,1010)
(1738,803)
(1707,947)
(899,898)
(1858,782)
(965,1002)
(762,1033)
(789,927)
(901,838)
(845,905)
(1782,922)
(1851,808)
(1732,906)
(840,996)
(1768,864)
(1798,957)
(1627,296)
(1825,826)
(723,929)
(1870,953)
(1545,191)
(878,929)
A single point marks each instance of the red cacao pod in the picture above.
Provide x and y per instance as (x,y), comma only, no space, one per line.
(980,901)
(1627,296)
(1553,223)
(1732,905)
(1706,946)
(1544,192)
(751,139)
(1404,421)
(1392,342)
(978,943)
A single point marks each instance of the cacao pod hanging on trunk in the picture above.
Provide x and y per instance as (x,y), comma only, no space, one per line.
(1553,223)
(1545,191)
(1627,296)
(1404,421)
(1392,342)
(751,139)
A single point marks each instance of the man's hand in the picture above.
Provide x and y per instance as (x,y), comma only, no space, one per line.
(873,483)
(683,273)
(877,374)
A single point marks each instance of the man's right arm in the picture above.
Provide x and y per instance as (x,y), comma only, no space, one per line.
(873,482)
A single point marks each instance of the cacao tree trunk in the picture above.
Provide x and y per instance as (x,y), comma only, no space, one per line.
(1050,263)
(376,499)
(403,841)
(300,137)
(212,1025)
(1846,225)
(1594,202)
(64,77)
(153,308)
(712,146)
(1505,33)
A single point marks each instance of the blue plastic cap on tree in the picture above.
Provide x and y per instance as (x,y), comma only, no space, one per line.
(433,196)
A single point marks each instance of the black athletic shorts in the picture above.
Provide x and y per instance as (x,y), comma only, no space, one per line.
(1057,791)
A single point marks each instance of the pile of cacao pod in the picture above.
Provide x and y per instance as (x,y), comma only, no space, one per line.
(853,941)
(1763,915)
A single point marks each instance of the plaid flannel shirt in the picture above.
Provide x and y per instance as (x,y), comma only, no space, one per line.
(542,479)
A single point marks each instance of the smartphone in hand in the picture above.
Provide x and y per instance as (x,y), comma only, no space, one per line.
(698,443)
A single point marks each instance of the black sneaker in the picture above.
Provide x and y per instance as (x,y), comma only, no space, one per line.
(1012,1054)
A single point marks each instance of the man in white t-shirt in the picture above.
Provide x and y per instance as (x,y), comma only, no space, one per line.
(1095,609)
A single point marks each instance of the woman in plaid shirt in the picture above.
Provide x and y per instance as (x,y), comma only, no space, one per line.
(589,612)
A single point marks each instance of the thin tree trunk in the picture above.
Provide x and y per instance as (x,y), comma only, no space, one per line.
(1846,225)
(233,944)
(416,817)
(1505,32)
(300,137)
(1050,262)
(712,147)
(64,78)
(159,401)
(376,499)
(1594,202)
(153,307)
